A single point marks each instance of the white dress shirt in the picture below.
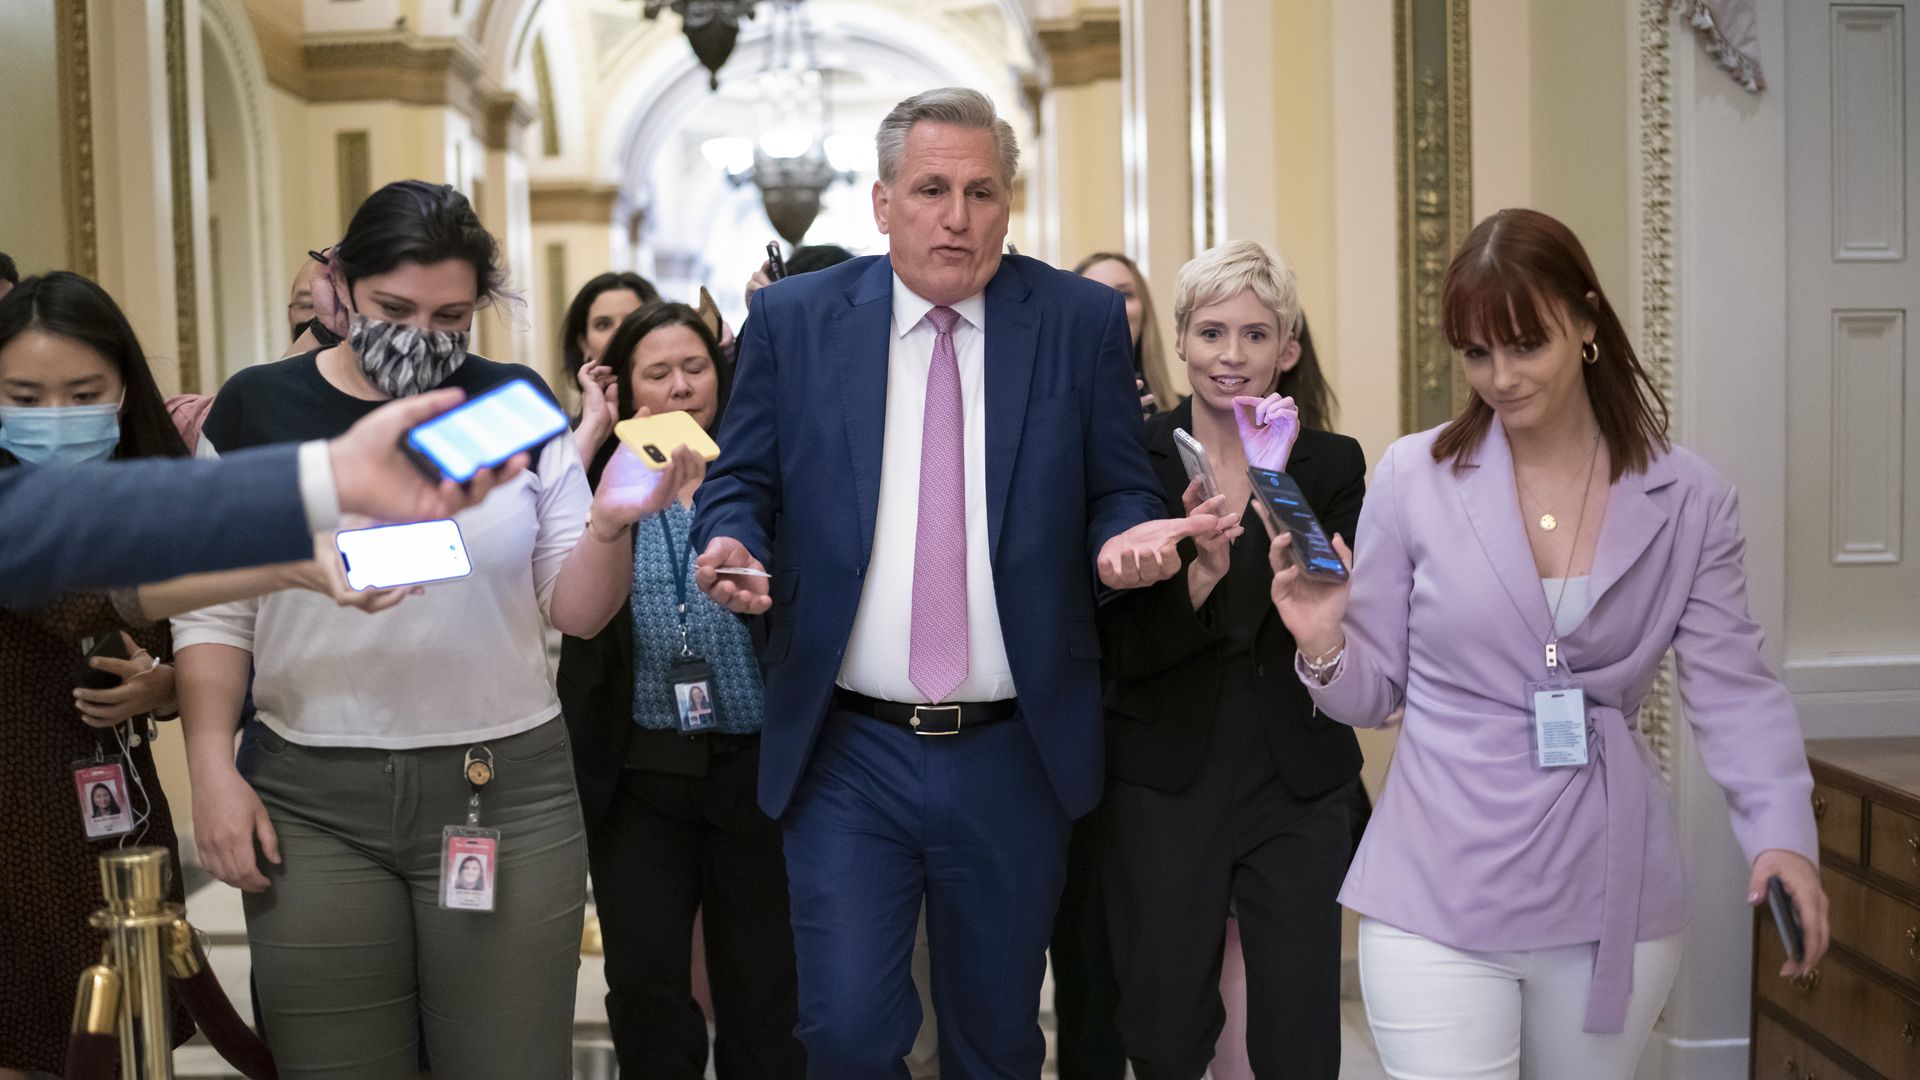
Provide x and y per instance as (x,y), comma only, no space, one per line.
(876,660)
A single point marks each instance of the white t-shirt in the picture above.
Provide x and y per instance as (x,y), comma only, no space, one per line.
(465,662)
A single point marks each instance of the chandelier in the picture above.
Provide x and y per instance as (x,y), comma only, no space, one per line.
(794,160)
(711,26)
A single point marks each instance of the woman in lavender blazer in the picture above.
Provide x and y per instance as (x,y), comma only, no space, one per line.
(1522,916)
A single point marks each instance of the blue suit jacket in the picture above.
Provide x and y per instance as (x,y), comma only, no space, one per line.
(130,522)
(798,482)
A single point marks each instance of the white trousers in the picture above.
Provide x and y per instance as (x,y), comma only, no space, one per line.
(1440,1013)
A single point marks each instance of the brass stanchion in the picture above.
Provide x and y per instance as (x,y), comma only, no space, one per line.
(137,919)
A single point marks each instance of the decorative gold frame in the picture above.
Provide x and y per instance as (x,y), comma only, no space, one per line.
(1433,166)
(1655,122)
(76,135)
(186,290)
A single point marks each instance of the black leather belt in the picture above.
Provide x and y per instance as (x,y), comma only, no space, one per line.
(948,719)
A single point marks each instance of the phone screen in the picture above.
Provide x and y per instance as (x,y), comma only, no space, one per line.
(487,431)
(390,556)
(1281,501)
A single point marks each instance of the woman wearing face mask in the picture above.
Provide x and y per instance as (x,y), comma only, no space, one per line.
(1223,786)
(74,387)
(1527,567)
(1149,365)
(371,729)
(597,309)
(672,823)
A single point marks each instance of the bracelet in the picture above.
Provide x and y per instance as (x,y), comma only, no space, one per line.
(1323,667)
(595,533)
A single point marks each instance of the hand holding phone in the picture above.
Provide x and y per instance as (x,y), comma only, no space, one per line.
(1786,920)
(110,646)
(1198,465)
(485,432)
(776,263)
(1285,508)
(654,438)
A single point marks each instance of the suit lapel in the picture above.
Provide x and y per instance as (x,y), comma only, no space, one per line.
(1013,337)
(1633,520)
(1493,507)
(860,339)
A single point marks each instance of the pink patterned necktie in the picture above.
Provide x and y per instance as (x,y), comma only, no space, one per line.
(937,648)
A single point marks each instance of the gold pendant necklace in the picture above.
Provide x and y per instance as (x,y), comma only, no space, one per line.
(1547,521)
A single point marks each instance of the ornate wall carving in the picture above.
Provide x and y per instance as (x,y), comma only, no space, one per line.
(1433,155)
(1083,48)
(76,134)
(1656,281)
(186,287)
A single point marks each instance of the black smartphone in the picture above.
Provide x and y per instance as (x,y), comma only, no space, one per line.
(1786,920)
(88,677)
(484,432)
(1285,507)
(776,265)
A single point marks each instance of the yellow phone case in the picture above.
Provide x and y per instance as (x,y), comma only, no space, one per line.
(653,439)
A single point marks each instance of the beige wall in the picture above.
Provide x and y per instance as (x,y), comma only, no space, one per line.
(33,223)
(1092,208)
(1551,93)
(1302,88)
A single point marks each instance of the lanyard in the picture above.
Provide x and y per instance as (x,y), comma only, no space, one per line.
(1553,617)
(677,571)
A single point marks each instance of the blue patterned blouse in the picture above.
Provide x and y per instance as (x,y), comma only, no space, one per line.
(715,633)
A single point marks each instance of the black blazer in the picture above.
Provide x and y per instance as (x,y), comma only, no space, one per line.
(1164,658)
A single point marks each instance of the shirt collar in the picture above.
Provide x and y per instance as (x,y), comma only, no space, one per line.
(909,308)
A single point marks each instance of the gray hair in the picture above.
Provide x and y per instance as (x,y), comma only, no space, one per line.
(955,105)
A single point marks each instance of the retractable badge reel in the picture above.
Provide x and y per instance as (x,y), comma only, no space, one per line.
(470,854)
(688,673)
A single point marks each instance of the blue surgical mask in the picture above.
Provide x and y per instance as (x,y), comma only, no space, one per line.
(60,434)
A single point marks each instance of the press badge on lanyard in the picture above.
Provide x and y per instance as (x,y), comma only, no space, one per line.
(469,854)
(106,810)
(689,673)
(1559,715)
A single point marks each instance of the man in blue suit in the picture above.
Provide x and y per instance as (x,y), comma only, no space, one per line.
(937,454)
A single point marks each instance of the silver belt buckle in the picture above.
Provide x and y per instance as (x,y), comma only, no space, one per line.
(927,712)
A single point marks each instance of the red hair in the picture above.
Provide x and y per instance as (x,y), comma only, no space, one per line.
(1516,272)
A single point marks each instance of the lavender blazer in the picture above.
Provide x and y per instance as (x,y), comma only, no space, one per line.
(1474,846)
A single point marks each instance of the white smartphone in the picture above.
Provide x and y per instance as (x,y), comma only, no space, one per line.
(1194,457)
(389,556)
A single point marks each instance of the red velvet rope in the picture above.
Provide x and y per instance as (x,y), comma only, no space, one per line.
(214,1014)
(91,1057)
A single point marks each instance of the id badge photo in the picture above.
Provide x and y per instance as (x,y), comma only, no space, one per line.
(469,859)
(1559,723)
(692,680)
(105,810)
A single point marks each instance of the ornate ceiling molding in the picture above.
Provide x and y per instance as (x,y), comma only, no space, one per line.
(573,204)
(1081,48)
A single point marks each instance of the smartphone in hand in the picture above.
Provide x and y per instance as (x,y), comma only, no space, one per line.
(776,265)
(1284,506)
(653,439)
(85,675)
(484,432)
(1194,457)
(390,556)
(1786,919)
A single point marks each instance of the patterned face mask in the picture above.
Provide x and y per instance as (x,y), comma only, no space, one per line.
(405,360)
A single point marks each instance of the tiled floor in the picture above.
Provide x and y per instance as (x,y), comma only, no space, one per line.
(215,909)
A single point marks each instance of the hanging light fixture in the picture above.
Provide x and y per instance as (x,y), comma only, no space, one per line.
(711,26)
(789,160)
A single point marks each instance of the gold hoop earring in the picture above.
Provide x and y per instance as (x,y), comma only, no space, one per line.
(1590,352)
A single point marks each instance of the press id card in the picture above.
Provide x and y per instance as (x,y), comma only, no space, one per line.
(105,810)
(469,859)
(1559,723)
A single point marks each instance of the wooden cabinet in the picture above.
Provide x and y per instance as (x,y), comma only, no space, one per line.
(1858,1016)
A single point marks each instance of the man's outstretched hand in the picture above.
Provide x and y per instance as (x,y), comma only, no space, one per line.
(1149,552)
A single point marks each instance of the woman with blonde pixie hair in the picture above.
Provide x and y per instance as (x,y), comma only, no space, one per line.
(1224,789)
